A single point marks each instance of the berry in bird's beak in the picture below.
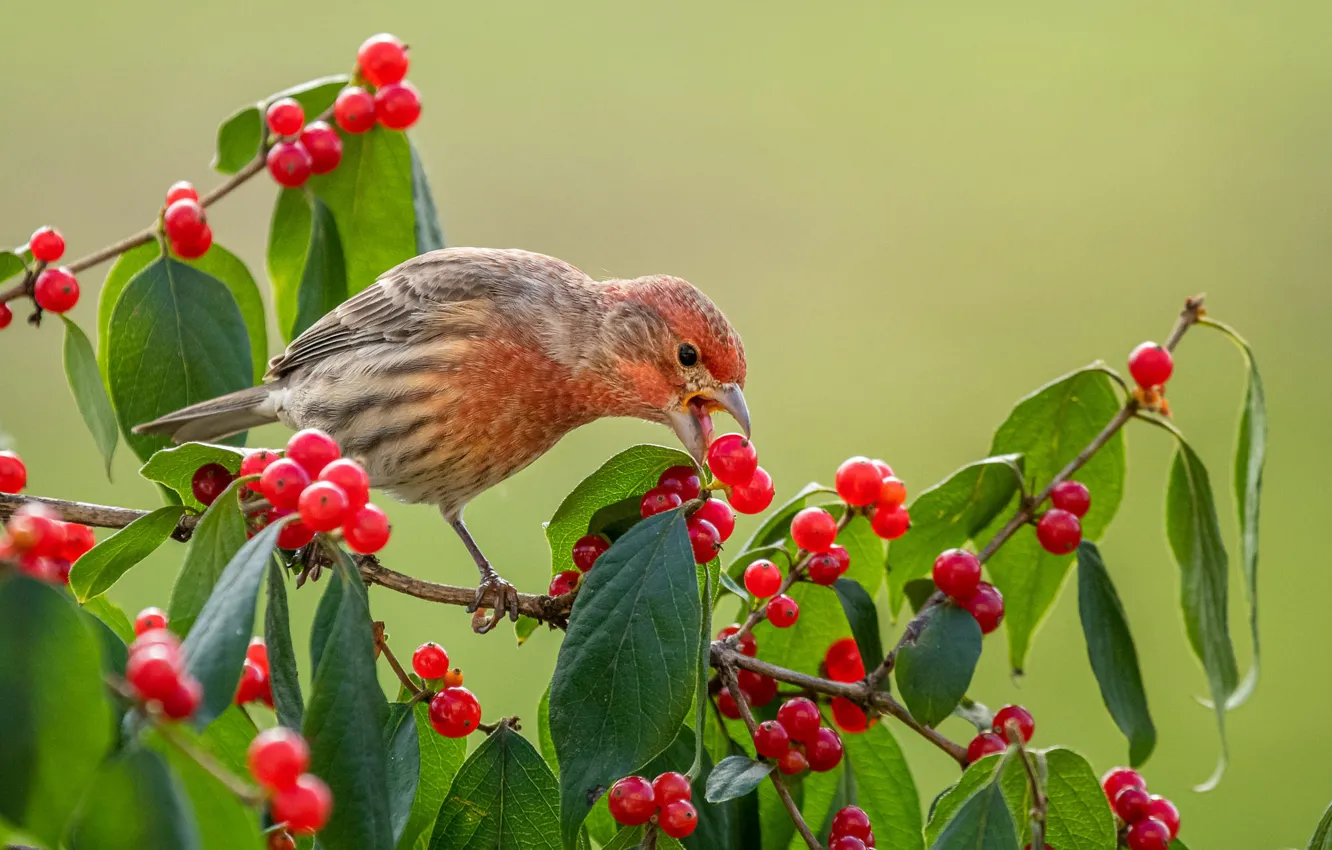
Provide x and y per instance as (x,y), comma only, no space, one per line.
(692,421)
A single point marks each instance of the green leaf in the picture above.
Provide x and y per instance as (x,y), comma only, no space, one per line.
(11,264)
(918,592)
(632,472)
(228,739)
(223,821)
(404,764)
(934,671)
(525,628)
(106,562)
(111,614)
(240,137)
(214,650)
(1049,428)
(983,823)
(976,776)
(729,583)
(429,235)
(344,724)
(137,804)
(1195,540)
(305,261)
(174,467)
(370,195)
(631,837)
(440,760)
(216,539)
(54,712)
(863,618)
(326,613)
(736,776)
(865,549)
(640,603)
(504,796)
(228,268)
(544,740)
(179,339)
(1322,837)
(1114,659)
(803,647)
(85,382)
(885,789)
(1079,817)
(776,829)
(127,265)
(948,515)
(282,672)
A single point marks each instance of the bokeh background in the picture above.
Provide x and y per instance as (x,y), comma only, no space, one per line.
(915,213)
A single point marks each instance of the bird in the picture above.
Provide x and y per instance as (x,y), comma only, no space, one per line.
(459,367)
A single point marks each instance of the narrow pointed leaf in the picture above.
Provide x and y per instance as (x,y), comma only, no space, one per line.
(736,776)
(863,618)
(404,764)
(429,235)
(216,539)
(440,759)
(138,804)
(934,671)
(1322,837)
(305,261)
(283,677)
(111,558)
(11,265)
(884,786)
(983,823)
(85,382)
(112,615)
(223,821)
(174,467)
(1079,816)
(325,614)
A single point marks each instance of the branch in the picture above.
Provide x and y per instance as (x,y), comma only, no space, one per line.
(1040,803)
(381,646)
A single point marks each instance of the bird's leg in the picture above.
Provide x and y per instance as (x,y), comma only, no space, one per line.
(506,596)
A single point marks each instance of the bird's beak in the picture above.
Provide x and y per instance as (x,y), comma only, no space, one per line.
(692,421)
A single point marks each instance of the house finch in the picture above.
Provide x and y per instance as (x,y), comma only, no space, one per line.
(460,367)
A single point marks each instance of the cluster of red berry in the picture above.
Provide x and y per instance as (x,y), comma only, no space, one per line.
(1150,821)
(957,573)
(56,289)
(842,663)
(256,684)
(299,801)
(850,830)
(302,149)
(35,539)
(797,739)
(633,801)
(871,485)
(758,689)
(185,223)
(156,670)
(1059,529)
(454,710)
(733,460)
(997,741)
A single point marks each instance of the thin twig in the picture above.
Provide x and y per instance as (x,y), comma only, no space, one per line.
(247,793)
(381,645)
(1040,803)
(649,837)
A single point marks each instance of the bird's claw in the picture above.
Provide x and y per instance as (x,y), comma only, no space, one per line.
(505,599)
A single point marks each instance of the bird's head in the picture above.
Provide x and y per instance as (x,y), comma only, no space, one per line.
(675,357)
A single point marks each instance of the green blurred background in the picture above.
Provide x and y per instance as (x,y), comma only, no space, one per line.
(914,213)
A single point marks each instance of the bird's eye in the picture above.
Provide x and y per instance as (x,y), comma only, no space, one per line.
(688,354)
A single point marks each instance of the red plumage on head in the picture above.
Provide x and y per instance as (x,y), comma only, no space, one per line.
(695,319)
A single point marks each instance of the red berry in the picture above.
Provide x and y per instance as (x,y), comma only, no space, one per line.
(1118,778)
(255,463)
(1131,804)
(986,605)
(563,582)
(678,819)
(885,471)
(747,644)
(324,506)
(732,459)
(295,534)
(631,801)
(156,638)
(397,105)
(658,500)
(382,59)
(192,249)
(323,144)
(283,482)
(13,474)
(78,541)
(983,745)
(305,806)
(253,683)
(277,757)
(890,524)
(367,531)
(184,700)
(454,712)
(892,493)
(1071,496)
(46,244)
(755,496)
(35,534)
(1149,834)
(846,842)
(763,578)
(354,110)
(149,619)
(1161,809)
(683,480)
(726,705)
(56,290)
(313,450)
(800,717)
(1150,365)
(759,689)
(843,661)
(154,672)
(671,786)
(209,482)
(720,515)
(285,117)
(290,164)
(184,221)
(351,477)
(848,716)
(771,740)
(703,539)
(430,661)
(6,316)
(858,481)
(782,611)
(181,190)
(257,652)
(587,549)
(1011,714)
(824,569)
(843,557)
(824,752)
(792,762)
(814,530)
(957,572)
(1059,532)
(852,821)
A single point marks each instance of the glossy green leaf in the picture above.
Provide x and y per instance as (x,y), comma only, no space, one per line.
(112,615)
(1079,817)
(632,472)
(504,796)
(137,804)
(214,650)
(325,614)
(1114,659)
(641,602)
(241,135)
(126,266)
(982,823)
(178,339)
(976,776)
(111,558)
(228,739)
(544,740)
(403,749)
(802,647)
(934,671)
(174,467)
(631,837)
(918,592)
(736,776)
(283,677)
(216,539)
(1322,837)
(440,760)
(85,382)
(1049,428)
(863,618)
(429,235)
(1195,540)
(305,261)
(948,515)
(885,788)
(54,713)
(11,264)
(223,821)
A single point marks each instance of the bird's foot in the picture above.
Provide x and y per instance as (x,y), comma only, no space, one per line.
(504,597)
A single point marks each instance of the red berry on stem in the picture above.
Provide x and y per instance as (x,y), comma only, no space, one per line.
(800,717)
(726,705)
(46,244)
(184,221)
(760,689)
(671,786)
(184,700)
(843,557)
(824,752)
(747,644)
(782,611)
(78,541)
(354,110)
(763,578)
(149,619)
(367,531)
(351,477)
(983,745)
(792,762)
(430,661)
(957,572)
(253,683)
(678,819)
(771,740)
(277,757)
(846,842)
(153,672)
(285,117)
(986,605)
(683,480)
(209,482)
(892,493)
(181,190)
(323,506)
(156,638)
(1131,804)
(192,249)
(1118,778)
(397,105)
(587,549)
(1161,809)
(563,582)
(848,716)
(890,524)
(255,463)
(6,316)
(382,59)
(1150,365)
(631,801)
(1149,834)
(1010,714)
(13,474)
(56,290)
(720,515)
(283,482)
(323,144)
(851,820)
(290,164)
(1059,532)
(732,459)
(704,539)
(843,661)
(1071,496)
(754,496)
(858,481)
(454,712)
(658,500)
(305,806)
(295,534)
(814,530)
(824,568)
(313,450)
(257,652)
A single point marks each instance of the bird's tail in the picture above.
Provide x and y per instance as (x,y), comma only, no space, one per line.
(218,417)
